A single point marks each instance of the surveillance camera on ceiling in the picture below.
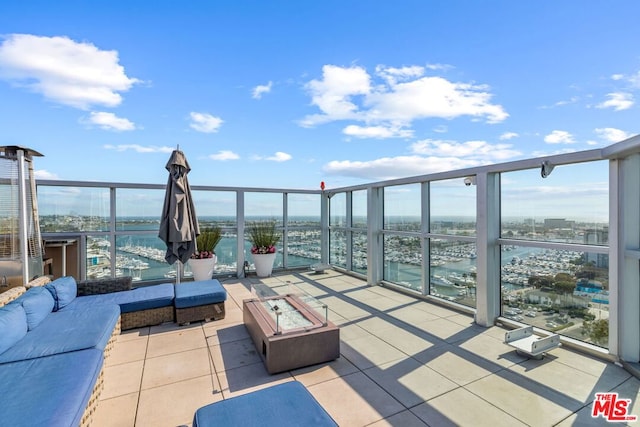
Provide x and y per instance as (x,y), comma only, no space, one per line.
(470,180)
(546,169)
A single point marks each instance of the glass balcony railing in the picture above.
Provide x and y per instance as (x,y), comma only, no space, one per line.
(499,240)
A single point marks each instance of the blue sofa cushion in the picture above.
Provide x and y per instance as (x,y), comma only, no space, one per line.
(288,404)
(37,303)
(204,292)
(13,325)
(64,290)
(65,331)
(48,391)
(143,298)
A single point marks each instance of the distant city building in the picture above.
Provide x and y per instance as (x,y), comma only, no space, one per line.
(550,223)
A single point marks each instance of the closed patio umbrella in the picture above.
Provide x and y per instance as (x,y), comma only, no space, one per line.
(179,223)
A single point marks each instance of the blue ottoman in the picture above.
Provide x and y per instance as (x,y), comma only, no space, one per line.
(201,300)
(288,404)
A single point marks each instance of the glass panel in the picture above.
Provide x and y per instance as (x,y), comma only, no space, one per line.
(227,253)
(453,271)
(403,261)
(566,292)
(359,259)
(138,209)
(452,207)
(216,207)
(303,209)
(141,256)
(98,259)
(338,249)
(65,209)
(263,206)
(338,210)
(402,207)
(571,205)
(359,209)
(303,247)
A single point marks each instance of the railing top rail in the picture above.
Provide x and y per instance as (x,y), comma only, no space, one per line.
(131,185)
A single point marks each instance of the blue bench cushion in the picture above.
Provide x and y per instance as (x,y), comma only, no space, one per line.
(13,325)
(38,303)
(49,391)
(64,291)
(65,331)
(143,298)
(288,404)
(203,292)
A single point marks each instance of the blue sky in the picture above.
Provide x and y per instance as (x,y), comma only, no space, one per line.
(287,94)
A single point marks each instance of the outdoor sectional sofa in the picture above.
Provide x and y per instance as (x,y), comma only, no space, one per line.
(53,344)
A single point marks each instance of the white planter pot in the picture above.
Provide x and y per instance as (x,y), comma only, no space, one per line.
(263,264)
(202,268)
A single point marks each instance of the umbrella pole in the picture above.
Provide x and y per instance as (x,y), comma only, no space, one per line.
(178,272)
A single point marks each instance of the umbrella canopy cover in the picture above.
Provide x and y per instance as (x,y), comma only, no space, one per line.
(179,223)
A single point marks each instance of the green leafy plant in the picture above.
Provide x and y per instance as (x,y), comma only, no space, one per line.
(263,237)
(207,241)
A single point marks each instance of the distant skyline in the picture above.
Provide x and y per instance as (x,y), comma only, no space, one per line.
(287,94)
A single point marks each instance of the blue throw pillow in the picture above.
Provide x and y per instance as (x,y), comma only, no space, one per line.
(64,290)
(37,303)
(13,325)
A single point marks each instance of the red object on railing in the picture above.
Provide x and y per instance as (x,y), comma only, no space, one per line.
(322,185)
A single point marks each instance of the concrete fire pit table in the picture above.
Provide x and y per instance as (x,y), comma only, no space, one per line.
(291,331)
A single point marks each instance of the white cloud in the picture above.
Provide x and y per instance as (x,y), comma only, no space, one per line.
(618,101)
(441,129)
(477,150)
(139,148)
(439,67)
(204,122)
(109,121)
(259,90)
(402,96)
(334,92)
(64,71)
(559,137)
(540,153)
(377,132)
(617,77)
(428,156)
(279,156)
(396,167)
(572,100)
(612,134)
(224,155)
(508,135)
(392,74)
(44,174)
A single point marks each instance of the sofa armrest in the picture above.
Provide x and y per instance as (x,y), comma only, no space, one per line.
(104,286)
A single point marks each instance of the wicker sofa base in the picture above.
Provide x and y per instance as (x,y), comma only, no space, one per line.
(201,312)
(153,316)
(92,404)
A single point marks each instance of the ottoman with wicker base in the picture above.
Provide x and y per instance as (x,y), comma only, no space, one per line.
(200,300)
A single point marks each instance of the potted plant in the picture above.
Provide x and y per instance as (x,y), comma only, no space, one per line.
(263,237)
(203,261)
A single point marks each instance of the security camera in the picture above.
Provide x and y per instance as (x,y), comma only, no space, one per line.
(470,180)
(546,169)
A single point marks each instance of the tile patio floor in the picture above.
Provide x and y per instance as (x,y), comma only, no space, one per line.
(404,362)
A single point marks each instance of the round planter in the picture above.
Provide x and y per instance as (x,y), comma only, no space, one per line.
(202,268)
(263,264)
